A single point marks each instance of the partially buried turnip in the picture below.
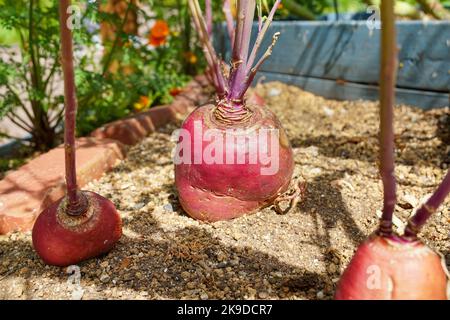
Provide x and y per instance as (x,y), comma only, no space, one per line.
(62,239)
(233,157)
(83,224)
(219,190)
(385,268)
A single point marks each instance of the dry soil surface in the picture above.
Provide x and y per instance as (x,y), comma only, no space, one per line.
(164,254)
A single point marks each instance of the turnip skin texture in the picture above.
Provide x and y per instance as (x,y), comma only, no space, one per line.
(394,269)
(214,192)
(63,240)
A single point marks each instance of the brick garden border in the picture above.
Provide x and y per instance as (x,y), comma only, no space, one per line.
(26,191)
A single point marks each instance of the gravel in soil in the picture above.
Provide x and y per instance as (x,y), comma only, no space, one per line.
(164,254)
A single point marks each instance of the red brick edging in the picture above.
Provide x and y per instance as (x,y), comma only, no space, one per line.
(131,130)
(27,190)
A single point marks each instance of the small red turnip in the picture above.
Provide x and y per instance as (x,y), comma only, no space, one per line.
(235,156)
(61,239)
(82,224)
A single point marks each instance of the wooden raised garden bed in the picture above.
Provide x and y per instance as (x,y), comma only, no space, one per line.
(340,60)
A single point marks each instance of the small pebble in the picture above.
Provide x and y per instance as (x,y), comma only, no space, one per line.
(263,295)
(104,278)
(168,207)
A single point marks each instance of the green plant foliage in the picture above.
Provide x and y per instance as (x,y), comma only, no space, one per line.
(104,97)
(30,71)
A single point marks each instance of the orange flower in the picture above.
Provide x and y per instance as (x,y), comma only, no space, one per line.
(190,57)
(144,100)
(159,33)
(175,91)
(157,42)
(160,29)
(143,103)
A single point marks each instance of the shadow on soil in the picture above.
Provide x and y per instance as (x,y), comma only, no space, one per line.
(365,148)
(191,261)
(324,195)
(325,204)
(166,255)
(212,267)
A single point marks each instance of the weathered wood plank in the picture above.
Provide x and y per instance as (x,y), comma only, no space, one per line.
(350,51)
(333,89)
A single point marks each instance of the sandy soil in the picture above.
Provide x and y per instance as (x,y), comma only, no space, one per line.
(300,255)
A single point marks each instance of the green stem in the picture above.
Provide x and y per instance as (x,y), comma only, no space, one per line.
(50,75)
(434,9)
(16,95)
(35,78)
(298,10)
(21,125)
(40,119)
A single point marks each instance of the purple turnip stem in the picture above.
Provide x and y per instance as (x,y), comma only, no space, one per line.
(388,74)
(254,70)
(262,32)
(260,16)
(232,88)
(242,69)
(210,54)
(209,17)
(229,20)
(428,208)
(75,201)
(246,13)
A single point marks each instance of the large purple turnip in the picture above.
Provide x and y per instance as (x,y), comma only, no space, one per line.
(233,157)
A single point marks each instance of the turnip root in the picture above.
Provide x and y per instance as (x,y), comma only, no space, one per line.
(61,239)
(389,266)
(386,268)
(82,224)
(233,157)
(221,191)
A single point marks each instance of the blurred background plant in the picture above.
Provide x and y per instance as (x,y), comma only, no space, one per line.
(128,58)
(357,9)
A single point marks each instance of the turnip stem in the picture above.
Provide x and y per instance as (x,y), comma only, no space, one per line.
(210,53)
(209,17)
(76,203)
(261,35)
(229,20)
(388,74)
(265,56)
(428,208)
(231,86)
(246,13)
(260,16)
